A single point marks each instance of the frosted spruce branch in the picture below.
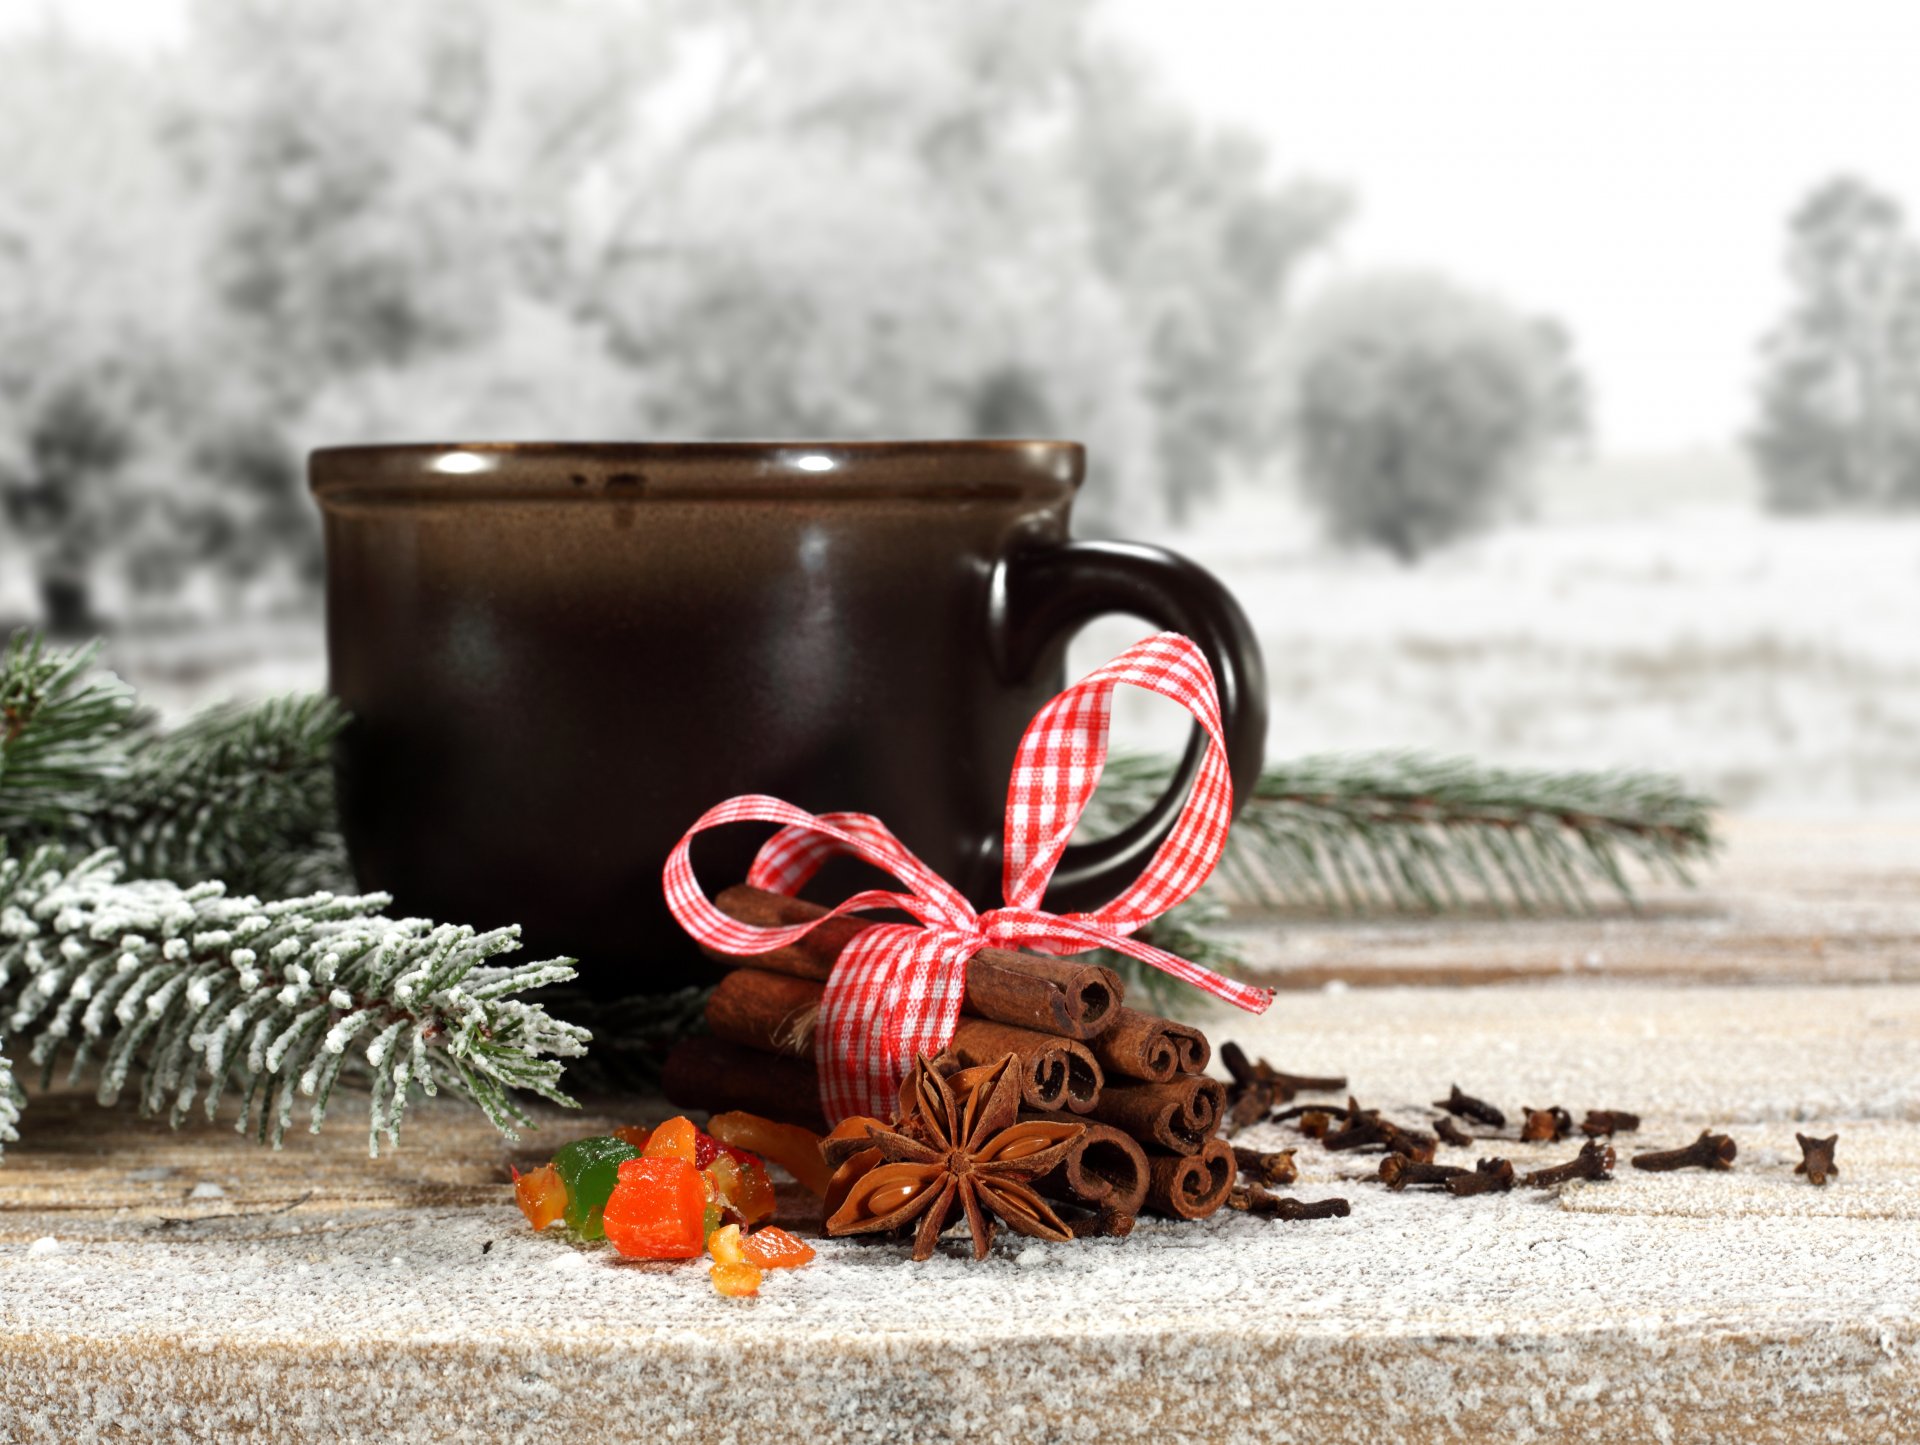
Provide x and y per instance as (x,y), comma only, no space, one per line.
(64,735)
(183,992)
(1402,830)
(239,793)
(10,1101)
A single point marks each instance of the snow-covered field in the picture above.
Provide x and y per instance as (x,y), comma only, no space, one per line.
(1773,662)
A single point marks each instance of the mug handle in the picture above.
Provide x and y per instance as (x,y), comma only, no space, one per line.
(1042,597)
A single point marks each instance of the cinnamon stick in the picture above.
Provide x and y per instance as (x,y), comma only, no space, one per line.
(1104,1169)
(1056,1073)
(776,1014)
(1140,1046)
(767,1011)
(1179,1115)
(715,1075)
(1052,995)
(1191,1186)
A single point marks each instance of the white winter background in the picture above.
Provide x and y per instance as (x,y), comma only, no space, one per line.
(1627,170)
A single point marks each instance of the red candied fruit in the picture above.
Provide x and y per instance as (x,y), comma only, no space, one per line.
(657,1209)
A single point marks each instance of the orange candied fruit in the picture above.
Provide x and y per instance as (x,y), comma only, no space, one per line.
(675,1139)
(739,1281)
(743,1189)
(774,1248)
(633,1134)
(658,1209)
(541,1195)
(794,1149)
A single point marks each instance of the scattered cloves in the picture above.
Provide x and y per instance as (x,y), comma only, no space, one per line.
(1273,1206)
(1468,1107)
(1267,1167)
(1594,1161)
(1397,1171)
(1816,1159)
(1546,1126)
(1709,1151)
(1609,1121)
(1315,1123)
(1489,1176)
(1452,1133)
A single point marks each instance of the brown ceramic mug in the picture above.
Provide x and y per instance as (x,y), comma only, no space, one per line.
(558,656)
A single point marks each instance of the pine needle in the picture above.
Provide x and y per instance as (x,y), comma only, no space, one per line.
(174,991)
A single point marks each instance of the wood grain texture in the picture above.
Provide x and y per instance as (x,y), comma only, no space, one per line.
(403,1298)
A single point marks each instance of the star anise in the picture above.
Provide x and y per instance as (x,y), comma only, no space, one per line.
(953,1151)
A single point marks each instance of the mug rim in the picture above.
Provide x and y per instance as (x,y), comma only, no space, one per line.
(628,470)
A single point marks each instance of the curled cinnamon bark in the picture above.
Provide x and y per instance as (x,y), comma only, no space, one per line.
(715,1075)
(1055,1073)
(1191,1186)
(1141,1046)
(1074,1000)
(1104,1168)
(1179,1115)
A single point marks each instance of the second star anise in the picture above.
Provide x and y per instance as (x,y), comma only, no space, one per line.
(954,1152)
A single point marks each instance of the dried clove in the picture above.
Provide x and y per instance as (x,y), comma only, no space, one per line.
(1282,1085)
(1594,1161)
(1273,1206)
(1364,1129)
(1397,1171)
(1258,1087)
(1609,1121)
(1410,1143)
(1489,1176)
(1468,1107)
(1816,1159)
(1709,1151)
(1267,1167)
(1452,1133)
(1247,1107)
(1315,1123)
(1546,1126)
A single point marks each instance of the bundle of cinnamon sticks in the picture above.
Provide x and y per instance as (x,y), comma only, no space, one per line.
(1137,1082)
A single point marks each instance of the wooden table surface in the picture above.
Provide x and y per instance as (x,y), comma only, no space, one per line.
(190,1286)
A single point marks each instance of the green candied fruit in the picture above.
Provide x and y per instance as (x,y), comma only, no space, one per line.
(590,1168)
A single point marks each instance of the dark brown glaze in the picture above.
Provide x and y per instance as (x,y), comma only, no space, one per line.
(558,656)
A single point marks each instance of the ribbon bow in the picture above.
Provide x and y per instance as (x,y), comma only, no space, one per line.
(896,989)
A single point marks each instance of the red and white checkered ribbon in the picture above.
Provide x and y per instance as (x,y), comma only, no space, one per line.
(896,989)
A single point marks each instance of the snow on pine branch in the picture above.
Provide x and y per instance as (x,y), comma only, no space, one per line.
(183,992)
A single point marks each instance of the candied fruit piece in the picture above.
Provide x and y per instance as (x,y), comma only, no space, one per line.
(740,1281)
(724,1245)
(657,1209)
(794,1149)
(635,1135)
(774,1248)
(588,1168)
(675,1139)
(541,1195)
(743,1189)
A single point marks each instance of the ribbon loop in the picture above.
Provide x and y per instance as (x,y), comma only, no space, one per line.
(897,988)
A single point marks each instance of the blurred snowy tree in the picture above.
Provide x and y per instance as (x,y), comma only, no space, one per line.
(1417,407)
(358,220)
(1840,386)
(95,281)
